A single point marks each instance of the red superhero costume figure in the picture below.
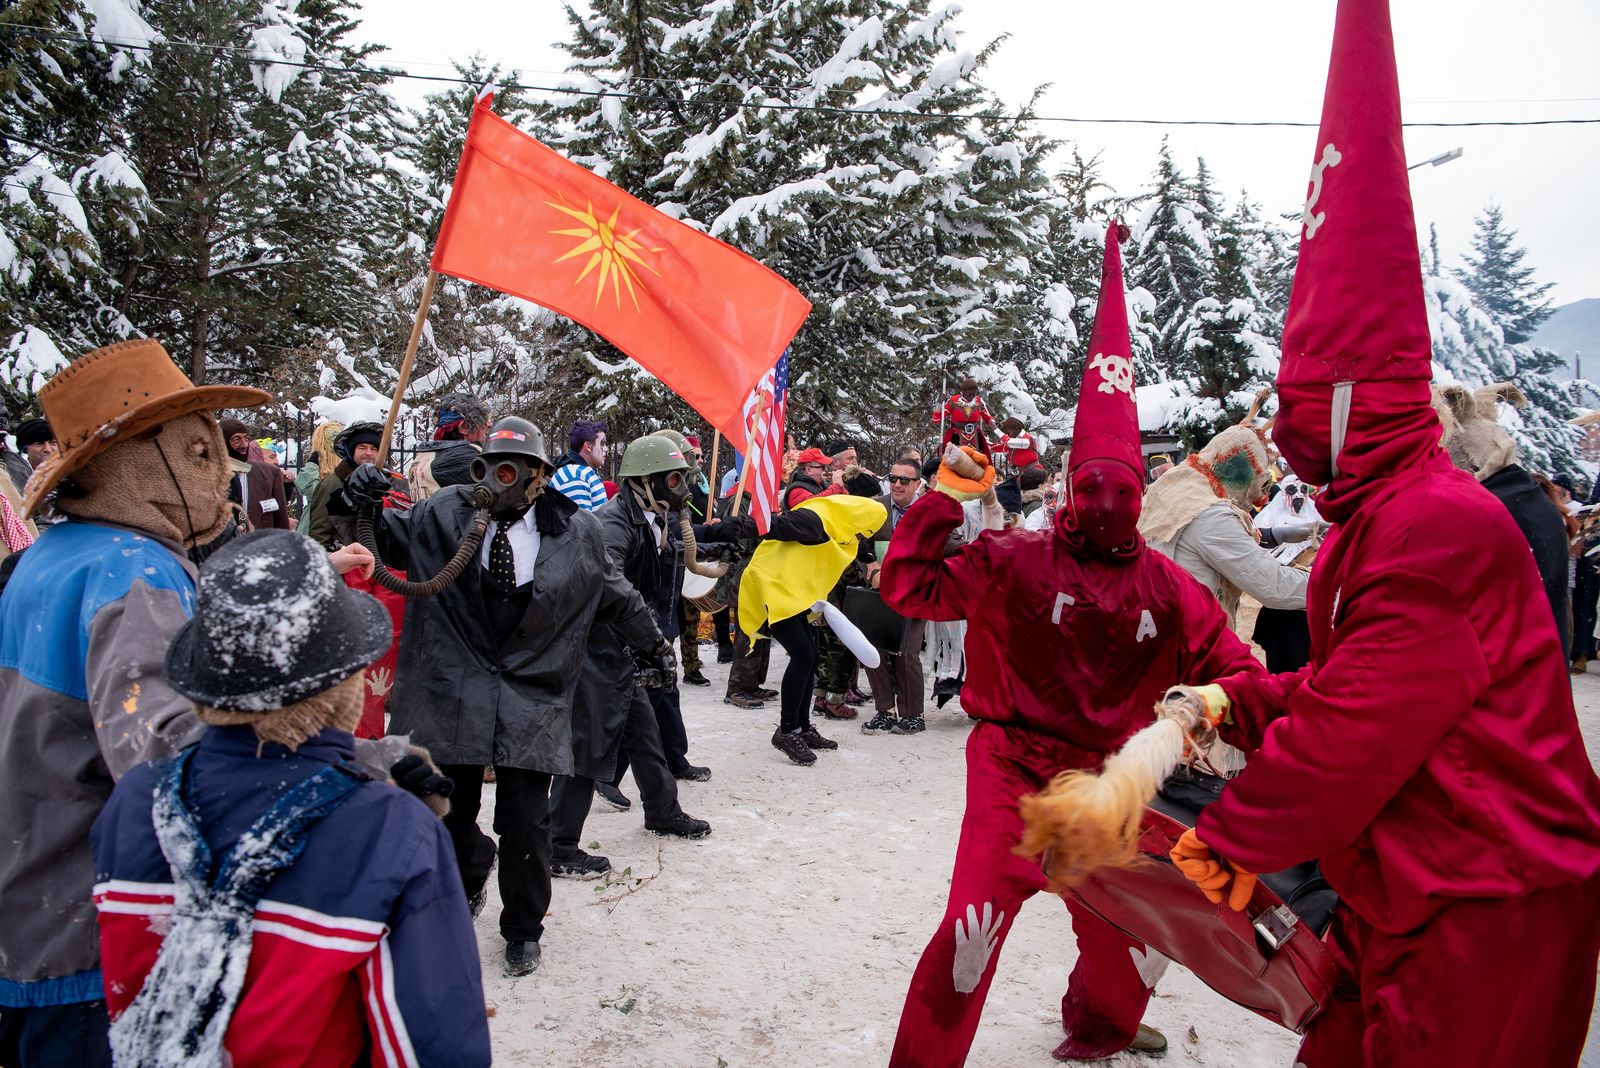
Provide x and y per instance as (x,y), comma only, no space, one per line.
(1071,635)
(1429,754)
(1018,443)
(964,417)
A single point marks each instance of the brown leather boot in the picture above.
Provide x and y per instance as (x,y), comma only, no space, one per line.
(832,708)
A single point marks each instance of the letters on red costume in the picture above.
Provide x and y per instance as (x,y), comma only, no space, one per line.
(1066,657)
(1429,755)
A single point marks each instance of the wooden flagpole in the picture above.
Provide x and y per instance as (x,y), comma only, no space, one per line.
(750,457)
(405,365)
(716,445)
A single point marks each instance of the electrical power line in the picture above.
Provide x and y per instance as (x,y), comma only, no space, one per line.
(386,74)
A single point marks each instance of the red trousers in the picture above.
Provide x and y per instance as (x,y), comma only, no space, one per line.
(1489,982)
(1106,994)
(380,676)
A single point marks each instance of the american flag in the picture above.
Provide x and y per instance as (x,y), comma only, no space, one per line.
(764,421)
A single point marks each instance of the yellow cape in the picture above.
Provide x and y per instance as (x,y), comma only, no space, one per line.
(785,578)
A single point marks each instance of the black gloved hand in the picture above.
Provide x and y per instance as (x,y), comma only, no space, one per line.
(740,526)
(656,669)
(366,486)
(415,774)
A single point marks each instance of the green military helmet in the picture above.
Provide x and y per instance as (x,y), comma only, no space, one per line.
(676,438)
(650,455)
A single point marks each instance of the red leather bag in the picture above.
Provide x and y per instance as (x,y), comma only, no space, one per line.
(1270,958)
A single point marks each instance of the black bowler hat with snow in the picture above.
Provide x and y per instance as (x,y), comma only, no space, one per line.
(273,625)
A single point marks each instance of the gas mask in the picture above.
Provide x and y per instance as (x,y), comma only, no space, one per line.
(1104,497)
(512,483)
(671,487)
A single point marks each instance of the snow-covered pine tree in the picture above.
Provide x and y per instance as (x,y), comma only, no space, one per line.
(1270,247)
(340,201)
(266,169)
(909,232)
(70,196)
(1469,347)
(476,339)
(1065,281)
(1227,339)
(1171,260)
(1502,286)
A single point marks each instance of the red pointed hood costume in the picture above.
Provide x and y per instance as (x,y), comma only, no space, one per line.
(1353,384)
(1072,635)
(1105,469)
(1429,755)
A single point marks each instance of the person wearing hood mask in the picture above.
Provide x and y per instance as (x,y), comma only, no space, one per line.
(1198,514)
(233,926)
(1283,632)
(1071,632)
(487,668)
(460,423)
(1429,755)
(85,624)
(1480,446)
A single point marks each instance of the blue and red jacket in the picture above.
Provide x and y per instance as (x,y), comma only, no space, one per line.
(365,942)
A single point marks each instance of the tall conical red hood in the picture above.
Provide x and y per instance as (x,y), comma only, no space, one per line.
(1106,426)
(1356,313)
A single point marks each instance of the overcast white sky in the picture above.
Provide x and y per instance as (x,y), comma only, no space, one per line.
(1228,59)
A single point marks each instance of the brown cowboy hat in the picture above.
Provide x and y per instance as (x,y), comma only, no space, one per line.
(115,392)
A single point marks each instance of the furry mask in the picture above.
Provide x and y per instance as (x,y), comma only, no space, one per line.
(1473,436)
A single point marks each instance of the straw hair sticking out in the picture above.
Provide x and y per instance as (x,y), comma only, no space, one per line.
(339,706)
(1087,820)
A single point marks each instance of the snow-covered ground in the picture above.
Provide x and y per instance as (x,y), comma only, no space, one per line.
(788,937)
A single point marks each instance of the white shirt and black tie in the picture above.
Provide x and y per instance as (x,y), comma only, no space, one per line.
(510,555)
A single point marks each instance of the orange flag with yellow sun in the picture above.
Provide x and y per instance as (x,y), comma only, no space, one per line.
(700,315)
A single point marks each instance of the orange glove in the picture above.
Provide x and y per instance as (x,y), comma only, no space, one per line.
(1210,873)
(976,479)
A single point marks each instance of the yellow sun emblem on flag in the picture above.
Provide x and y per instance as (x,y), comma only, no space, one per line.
(615,255)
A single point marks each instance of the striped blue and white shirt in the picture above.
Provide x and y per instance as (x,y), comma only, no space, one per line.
(579,484)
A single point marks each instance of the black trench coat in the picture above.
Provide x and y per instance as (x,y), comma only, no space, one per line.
(472,700)
(606,688)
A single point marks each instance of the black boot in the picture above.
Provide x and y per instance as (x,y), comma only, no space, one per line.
(791,745)
(580,865)
(882,723)
(521,958)
(475,878)
(814,739)
(682,825)
(612,796)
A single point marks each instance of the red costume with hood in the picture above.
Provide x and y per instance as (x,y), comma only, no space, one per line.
(1105,623)
(1429,755)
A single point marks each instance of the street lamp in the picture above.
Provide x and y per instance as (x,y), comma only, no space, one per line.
(1438,161)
